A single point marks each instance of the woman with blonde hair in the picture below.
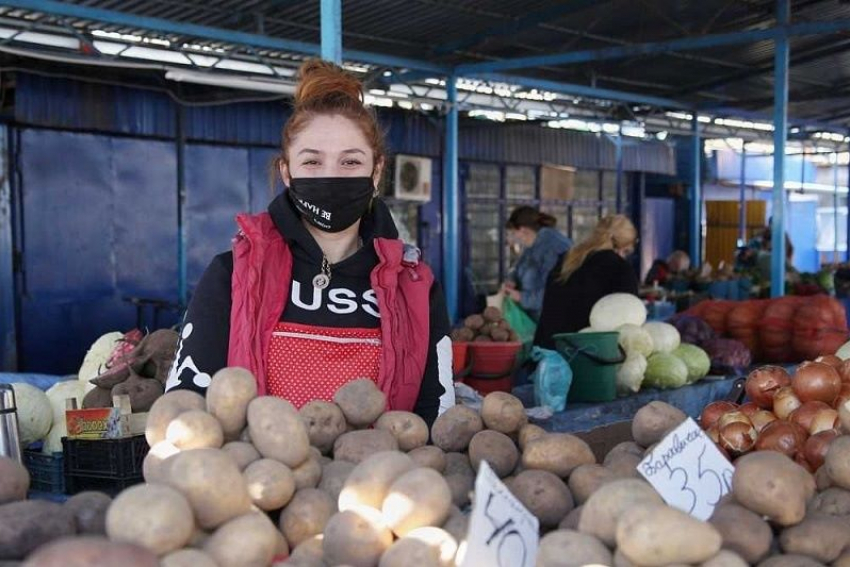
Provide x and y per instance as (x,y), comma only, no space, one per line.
(592,269)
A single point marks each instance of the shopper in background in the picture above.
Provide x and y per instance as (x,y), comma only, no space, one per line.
(592,269)
(542,245)
(662,271)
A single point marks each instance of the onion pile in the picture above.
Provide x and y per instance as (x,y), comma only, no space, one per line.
(798,416)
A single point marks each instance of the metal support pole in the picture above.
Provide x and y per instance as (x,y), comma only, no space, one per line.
(742,208)
(619,155)
(451,203)
(835,259)
(503,216)
(8,333)
(182,287)
(780,133)
(696,195)
(847,206)
(332,31)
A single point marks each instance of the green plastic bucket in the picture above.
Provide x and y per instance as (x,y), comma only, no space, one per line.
(593,358)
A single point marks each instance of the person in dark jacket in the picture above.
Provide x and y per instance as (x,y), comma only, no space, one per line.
(542,245)
(591,270)
(319,291)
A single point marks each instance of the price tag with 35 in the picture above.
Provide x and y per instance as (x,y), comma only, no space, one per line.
(688,470)
(502,532)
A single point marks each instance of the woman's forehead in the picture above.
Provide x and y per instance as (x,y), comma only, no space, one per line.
(332,135)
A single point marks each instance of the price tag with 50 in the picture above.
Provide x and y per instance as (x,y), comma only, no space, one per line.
(688,470)
(502,532)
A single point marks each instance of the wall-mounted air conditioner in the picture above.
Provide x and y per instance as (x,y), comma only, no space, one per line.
(412,178)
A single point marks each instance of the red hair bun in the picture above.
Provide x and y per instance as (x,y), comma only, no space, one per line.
(322,83)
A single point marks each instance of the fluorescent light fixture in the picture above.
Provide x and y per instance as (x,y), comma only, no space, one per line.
(109,47)
(633,131)
(229,81)
(745,124)
(661,135)
(50,40)
(244,67)
(493,115)
(378,101)
(161,55)
(575,124)
(131,38)
(687,116)
(202,60)
(831,136)
(405,104)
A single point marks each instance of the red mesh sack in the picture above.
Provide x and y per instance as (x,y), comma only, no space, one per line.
(776,329)
(820,327)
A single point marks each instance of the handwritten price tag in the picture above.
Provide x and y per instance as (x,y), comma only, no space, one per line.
(688,470)
(502,532)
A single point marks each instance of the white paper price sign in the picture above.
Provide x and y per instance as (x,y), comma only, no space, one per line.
(502,532)
(688,470)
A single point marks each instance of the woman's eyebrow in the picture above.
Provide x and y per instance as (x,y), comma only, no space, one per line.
(354,151)
(309,151)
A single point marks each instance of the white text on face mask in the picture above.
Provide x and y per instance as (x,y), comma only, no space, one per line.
(341,301)
(315,209)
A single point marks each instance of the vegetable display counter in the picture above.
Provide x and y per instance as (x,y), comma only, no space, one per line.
(691,399)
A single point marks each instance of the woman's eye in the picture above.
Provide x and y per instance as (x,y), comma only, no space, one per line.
(311,162)
(351,162)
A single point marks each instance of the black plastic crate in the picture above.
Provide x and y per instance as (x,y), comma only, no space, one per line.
(46,471)
(105,458)
(75,483)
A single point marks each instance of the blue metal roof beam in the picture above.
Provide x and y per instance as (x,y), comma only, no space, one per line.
(656,48)
(53,7)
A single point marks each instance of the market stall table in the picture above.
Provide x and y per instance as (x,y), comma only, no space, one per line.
(690,399)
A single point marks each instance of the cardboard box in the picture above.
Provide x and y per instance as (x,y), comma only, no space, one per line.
(557,183)
(105,423)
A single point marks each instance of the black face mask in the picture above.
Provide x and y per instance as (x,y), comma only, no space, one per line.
(331,204)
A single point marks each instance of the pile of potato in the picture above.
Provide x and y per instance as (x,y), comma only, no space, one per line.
(243,480)
(27,525)
(489,326)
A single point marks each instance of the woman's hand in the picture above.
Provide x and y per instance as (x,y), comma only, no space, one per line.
(510,290)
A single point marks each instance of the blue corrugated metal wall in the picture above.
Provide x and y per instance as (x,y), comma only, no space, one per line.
(100,211)
(77,105)
(533,145)
(98,225)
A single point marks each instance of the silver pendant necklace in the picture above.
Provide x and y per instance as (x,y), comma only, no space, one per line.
(323,279)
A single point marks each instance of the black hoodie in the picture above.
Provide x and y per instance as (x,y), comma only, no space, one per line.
(349,302)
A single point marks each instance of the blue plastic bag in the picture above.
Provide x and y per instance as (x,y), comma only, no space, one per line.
(552,379)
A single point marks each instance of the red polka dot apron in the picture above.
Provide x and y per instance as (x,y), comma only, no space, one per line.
(311,363)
